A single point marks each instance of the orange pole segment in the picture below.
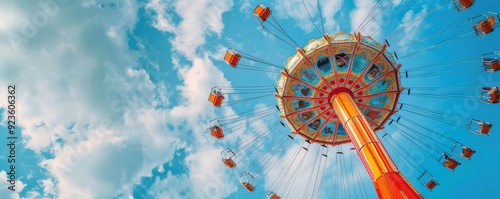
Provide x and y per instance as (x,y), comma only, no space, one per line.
(388,181)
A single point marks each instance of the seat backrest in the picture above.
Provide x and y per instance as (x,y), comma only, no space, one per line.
(485,129)
(466,3)
(229,163)
(232,58)
(484,26)
(228,56)
(491,21)
(275,197)
(262,12)
(495,65)
(431,184)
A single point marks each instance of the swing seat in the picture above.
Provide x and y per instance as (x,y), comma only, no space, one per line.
(248,186)
(450,163)
(485,128)
(494,95)
(232,58)
(495,66)
(466,3)
(431,184)
(467,152)
(274,196)
(217,132)
(494,98)
(463,4)
(262,12)
(229,162)
(485,26)
(216,98)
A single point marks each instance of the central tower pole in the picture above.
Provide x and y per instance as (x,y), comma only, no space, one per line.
(389,182)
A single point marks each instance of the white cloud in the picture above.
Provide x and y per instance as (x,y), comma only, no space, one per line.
(396,2)
(18,186)
(197,81)
(162,21)
(173,186)
(247,6)
(295,10)
(209,177)
(77,71)
(48,187)
(192,115)
(329,12)
(363,7)
(8,18)
(411,27)
(198,19)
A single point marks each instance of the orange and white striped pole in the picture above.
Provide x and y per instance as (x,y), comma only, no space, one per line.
(389,182)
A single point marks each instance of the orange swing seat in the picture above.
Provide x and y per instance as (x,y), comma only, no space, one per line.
(262,12)
(232,58)
(217,132)
(450,163)
(466,3)
(431,184)
(248,186)
(229,162)
(467,152)
(486,26)
(216,98)
(495,66)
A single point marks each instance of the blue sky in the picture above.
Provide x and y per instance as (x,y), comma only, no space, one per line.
(112,94)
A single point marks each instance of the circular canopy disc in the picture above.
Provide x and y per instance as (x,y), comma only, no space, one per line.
(359,66)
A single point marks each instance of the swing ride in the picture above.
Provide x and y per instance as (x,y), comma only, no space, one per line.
(345,89)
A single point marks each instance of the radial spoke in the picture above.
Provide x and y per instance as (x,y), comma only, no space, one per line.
(303,97)
(378,94)
(307,84)
(304,110)
(311,120)
(368,66)
(375,81)
(320,129)
(374,107)
(314,68)
(353,57)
